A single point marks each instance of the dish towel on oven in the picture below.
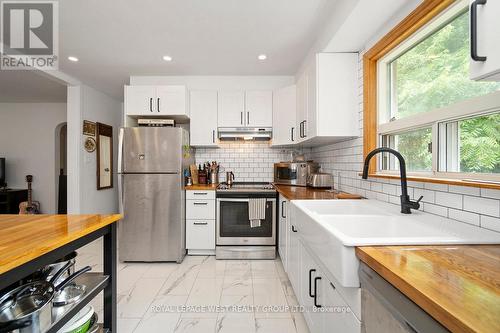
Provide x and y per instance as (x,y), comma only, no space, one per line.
(256,211)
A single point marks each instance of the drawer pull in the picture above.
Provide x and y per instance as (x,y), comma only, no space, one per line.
(200,193)
(316,279)
(201,203)
(200,223)
(331,284)
(310,280)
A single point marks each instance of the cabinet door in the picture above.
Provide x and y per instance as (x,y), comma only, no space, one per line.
(488,44)
(301,106)
(311,117)
(284,114)
(203,115)
(140,100)
(283,231)
(310,285)
(341,319)
(171,100)
(200,234)
(259,108)
(231,109)
(293,256)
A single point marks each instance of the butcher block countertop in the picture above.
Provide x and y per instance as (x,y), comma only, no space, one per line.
(27,237)
(201,187)
(308,193)
(457,285)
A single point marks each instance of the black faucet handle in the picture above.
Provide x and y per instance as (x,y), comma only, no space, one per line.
(420,199)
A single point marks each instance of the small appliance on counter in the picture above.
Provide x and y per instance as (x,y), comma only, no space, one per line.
(320,180)
(294,173)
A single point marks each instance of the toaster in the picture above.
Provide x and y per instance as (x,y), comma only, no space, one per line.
(320,179)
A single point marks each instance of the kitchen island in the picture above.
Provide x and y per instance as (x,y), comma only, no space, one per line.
(30,242)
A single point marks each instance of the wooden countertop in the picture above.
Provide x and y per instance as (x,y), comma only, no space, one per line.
(308,193)
(201,187)
(457,285)
(27,237)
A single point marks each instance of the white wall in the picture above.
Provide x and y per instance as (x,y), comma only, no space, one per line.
(28,142)
(86,103)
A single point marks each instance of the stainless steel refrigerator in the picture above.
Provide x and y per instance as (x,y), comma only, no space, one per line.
(151,183)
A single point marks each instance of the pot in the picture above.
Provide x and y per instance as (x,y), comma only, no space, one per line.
(28,308)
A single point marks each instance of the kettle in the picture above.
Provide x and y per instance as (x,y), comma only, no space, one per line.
(229,178)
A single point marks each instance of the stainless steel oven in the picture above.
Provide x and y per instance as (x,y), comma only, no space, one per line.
(235,238)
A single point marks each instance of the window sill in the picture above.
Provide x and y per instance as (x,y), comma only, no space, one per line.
(448,181)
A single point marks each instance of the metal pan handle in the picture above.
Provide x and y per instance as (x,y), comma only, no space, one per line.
(15,325)
(70,278)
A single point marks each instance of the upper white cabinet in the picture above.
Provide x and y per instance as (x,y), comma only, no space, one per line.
(259,108)
(485,46)
(156,101)
(231,111)
(203,113)
(284,113)
(245,109)
(327,99)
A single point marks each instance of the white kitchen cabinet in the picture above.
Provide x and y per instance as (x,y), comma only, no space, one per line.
(327,99)
(310,289)
(245,109)
(284,231)
(259,108)
(203,113)
(200,222)
(156,101)
(231,109)
(301,114)
(284,113)
(487,41)
(293,258)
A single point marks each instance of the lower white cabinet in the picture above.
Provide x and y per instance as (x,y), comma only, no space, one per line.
(326,310)
(284,230)
(200,222)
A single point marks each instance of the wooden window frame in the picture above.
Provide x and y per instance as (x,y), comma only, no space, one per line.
(423,14)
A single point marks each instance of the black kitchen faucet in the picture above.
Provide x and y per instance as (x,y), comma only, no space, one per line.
(406,204)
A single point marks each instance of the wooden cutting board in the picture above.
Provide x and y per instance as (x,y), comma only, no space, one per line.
(343,195)
(194,173)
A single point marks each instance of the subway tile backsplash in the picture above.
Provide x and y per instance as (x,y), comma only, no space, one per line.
(249,161)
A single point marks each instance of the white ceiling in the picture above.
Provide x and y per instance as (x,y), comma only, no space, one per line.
(117,38)
(29,87)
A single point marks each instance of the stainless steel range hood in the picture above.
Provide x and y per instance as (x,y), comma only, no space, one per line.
(245,133)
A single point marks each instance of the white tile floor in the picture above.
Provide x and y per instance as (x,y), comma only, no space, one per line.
(199,295)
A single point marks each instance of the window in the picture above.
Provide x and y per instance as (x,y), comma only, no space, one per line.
(443,123)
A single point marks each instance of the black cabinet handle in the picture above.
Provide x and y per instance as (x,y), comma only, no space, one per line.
(200,223)
(283,209)
(151,104)
(158,104)
(213,136)
(291,134)
(300,130)
(473,30)
(200,193)
(201,203)
(316,279)
(304,129)
(293,229)
(248,117)
(241,117)
(310,280)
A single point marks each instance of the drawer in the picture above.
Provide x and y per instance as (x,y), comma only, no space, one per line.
(200,234)
(195,195)
(200,209)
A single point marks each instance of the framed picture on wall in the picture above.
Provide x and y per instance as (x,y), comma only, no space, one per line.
(104,156)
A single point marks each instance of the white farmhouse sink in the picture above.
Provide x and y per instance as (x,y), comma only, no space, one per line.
(333,228)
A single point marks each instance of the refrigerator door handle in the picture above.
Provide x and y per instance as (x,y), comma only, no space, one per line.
(120,194)
(120,151)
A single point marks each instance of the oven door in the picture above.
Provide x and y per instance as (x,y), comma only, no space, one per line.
(233,225)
